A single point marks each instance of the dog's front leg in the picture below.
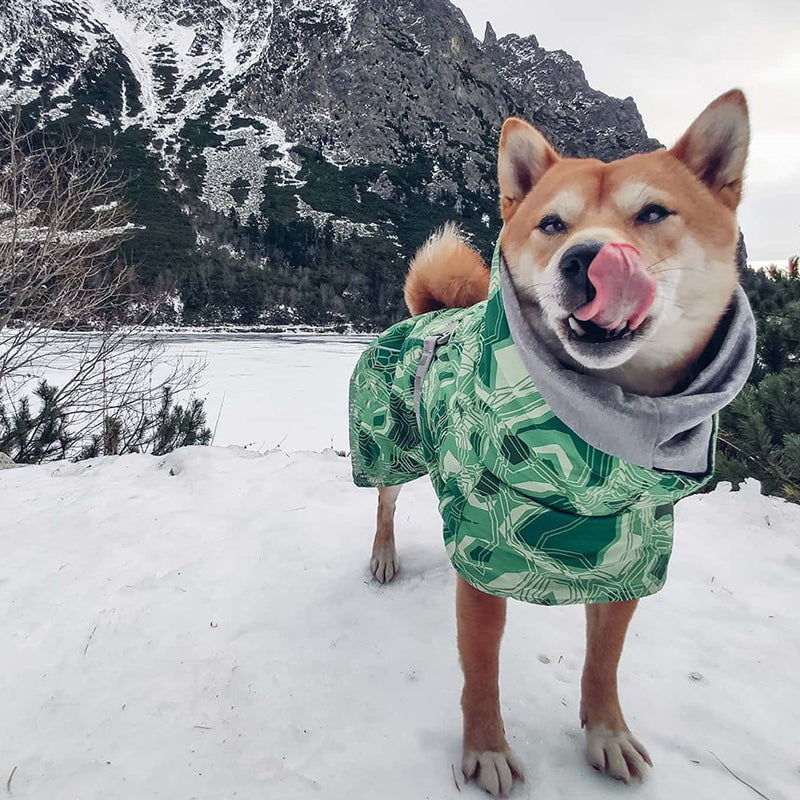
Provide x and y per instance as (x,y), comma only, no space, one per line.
(610,746)
(487,757)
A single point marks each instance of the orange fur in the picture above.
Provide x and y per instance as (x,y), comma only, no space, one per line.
(445,273)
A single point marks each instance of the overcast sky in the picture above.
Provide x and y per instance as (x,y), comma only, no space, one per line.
(673,59)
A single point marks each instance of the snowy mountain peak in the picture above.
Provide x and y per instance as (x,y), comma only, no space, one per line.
(369,121)
(179,54)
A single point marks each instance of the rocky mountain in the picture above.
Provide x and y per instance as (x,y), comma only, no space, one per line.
(284,158)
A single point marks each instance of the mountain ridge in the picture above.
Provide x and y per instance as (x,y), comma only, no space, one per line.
(286,157)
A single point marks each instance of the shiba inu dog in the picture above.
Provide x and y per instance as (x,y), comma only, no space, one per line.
(568,405)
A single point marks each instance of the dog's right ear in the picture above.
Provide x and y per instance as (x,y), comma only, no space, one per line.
(523,158)
(715,146)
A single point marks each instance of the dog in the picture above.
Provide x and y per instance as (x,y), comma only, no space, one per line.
(527,393)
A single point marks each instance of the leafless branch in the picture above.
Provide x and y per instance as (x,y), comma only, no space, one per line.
(741,780)
(68,302)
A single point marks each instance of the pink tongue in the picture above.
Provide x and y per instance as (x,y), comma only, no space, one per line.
(624,290)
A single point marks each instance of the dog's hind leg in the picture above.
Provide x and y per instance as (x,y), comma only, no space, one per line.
(487,758)
(610,746)
(384,564)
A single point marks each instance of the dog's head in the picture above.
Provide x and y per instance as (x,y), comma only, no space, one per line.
(632,257)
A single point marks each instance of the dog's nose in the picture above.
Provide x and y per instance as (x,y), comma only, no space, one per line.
(574,267)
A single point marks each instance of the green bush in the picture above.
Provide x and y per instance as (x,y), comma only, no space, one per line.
(34,437)
(760,430)
(170,427)
(30,437)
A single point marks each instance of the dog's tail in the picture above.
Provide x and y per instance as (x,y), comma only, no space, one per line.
(445,273)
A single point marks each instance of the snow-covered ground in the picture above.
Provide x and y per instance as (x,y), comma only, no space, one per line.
(202,625)
(260,390)
(264,390)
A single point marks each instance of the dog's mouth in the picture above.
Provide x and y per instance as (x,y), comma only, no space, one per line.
(595,346)
(614,299)
(589,332)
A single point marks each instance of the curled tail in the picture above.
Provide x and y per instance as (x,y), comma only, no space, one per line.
(445,273)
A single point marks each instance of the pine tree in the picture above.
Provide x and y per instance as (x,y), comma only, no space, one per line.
(170,427)
(760,430)
(31,437)
(178,426)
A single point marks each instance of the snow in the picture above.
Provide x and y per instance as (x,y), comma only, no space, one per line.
(245,34)
(343,228)
(233,30)
(229,47)
(134,41)
(229,162)
(105,207)
(202,625)
(264,390)
(11,231)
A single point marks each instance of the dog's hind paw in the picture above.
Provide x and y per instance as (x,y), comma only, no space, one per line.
(618,754)
(384,564)
(494,771)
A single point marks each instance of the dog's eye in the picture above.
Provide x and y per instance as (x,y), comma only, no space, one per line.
(552,224)
(653,213)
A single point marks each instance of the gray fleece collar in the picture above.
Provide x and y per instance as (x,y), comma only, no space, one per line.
(672,433)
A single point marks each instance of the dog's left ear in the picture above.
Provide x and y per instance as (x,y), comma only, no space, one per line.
(715,146)
(523,158)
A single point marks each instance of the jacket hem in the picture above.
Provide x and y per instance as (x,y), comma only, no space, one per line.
(613,594)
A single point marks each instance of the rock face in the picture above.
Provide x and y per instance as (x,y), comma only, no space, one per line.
(553,92)
(286,157)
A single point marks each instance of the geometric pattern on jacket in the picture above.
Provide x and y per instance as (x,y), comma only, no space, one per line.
(530,510)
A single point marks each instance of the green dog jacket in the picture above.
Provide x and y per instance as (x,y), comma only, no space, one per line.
(530,510)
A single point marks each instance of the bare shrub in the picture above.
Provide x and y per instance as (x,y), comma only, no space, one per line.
(67,301)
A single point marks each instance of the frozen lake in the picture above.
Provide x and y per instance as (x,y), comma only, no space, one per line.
(274,389)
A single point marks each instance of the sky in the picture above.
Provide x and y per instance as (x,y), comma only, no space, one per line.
(674,59)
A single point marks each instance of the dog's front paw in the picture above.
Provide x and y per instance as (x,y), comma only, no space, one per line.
(618,754)
(384,564)
(493,770)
